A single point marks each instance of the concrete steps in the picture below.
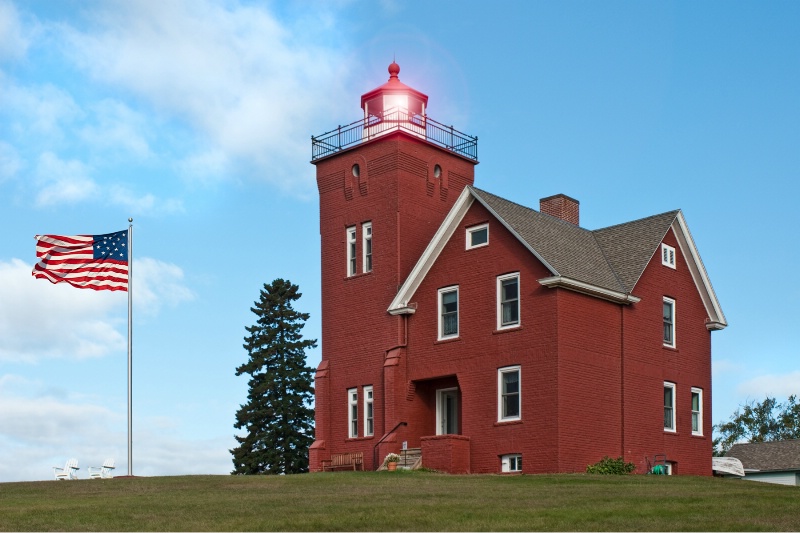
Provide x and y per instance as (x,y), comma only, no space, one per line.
(410,459)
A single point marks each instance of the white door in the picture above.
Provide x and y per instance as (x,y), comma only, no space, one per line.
(447,412)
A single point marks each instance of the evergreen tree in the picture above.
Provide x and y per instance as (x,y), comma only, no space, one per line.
(277,416)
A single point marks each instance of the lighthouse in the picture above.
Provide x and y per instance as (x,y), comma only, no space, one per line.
(385,183)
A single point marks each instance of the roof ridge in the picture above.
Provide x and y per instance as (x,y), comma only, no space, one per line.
(674,211)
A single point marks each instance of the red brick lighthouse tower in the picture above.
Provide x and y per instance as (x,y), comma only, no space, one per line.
(385,183)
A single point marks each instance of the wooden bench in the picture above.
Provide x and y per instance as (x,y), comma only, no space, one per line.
(354,461)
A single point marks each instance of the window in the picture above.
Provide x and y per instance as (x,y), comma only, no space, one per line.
(477,236)
(352,412)
(669,406)
(351,251)
(369,425)
(668,255)
(697,411)
(669,322)
(366,237)
(511,462)
(448,313)
(508,301)
(508,392)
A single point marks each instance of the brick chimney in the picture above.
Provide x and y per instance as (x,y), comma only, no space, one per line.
(561,206)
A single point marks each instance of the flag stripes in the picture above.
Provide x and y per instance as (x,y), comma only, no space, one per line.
(98,262)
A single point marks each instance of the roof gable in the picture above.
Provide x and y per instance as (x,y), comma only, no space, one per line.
(605,263)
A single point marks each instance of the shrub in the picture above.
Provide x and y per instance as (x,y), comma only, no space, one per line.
(608,465)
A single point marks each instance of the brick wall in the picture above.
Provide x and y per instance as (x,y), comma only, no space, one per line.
(397,192)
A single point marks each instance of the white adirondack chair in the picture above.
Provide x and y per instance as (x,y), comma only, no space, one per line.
(102,472)
(68,472)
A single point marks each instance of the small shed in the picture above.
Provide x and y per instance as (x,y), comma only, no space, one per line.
(770,462)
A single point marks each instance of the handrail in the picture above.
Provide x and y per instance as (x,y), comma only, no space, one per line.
(395,119)
(375,448)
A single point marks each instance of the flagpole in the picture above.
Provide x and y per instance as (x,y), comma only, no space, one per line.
(130,347)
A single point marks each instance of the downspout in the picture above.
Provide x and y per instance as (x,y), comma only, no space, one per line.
(622,377)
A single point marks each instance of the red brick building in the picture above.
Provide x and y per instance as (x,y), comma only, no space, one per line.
(492,336)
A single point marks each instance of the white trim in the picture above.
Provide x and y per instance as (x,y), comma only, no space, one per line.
(591,290)
(500,373)
(369,401)
(668,256)
(670,385)
(440,406)
(500,280)
(366,239)
(352,421)
(352,268)
(699,275)
(440,335)
(432,251)
(699,392)
(716,319)
(671,302)
(511,459)
(475,229)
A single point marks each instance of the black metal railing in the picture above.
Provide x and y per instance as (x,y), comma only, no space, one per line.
(393,120)
(375,464)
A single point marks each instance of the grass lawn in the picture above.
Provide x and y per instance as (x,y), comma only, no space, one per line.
(400,501)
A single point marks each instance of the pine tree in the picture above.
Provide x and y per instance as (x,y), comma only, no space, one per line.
(277,416)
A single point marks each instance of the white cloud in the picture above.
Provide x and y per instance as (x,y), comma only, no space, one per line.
(41,431)
(39,320)
(774,385)
(157,283)
(209,166)
(248,85)
(145,204)
(117,128)
(63,181)
(42,110)
(13,39)
(720,367)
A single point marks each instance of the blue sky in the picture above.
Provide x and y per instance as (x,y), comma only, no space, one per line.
(195,117)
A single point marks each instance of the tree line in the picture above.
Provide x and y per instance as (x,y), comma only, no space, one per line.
(766,421)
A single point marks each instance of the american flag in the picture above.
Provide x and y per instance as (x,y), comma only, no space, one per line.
(98,262)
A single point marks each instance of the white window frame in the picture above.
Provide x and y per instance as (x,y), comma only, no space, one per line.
(671,386)
(369,412)
(500,393)
(511,463)
(673,328)
(668,255)
(475,229)
(442,292)
(500,280)
(366,246)
(697,415)
(351,251)
(352,413)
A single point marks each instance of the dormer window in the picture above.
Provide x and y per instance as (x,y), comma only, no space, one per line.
(668,255)
(477,236)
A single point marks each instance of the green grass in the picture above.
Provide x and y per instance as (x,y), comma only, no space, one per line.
(400,501)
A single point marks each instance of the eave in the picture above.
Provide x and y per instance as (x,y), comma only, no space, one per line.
(588,289)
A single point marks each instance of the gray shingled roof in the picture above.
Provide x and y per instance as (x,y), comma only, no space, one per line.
(612,258)
(768,456)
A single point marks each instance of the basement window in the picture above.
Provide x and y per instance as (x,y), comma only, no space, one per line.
(511,462)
